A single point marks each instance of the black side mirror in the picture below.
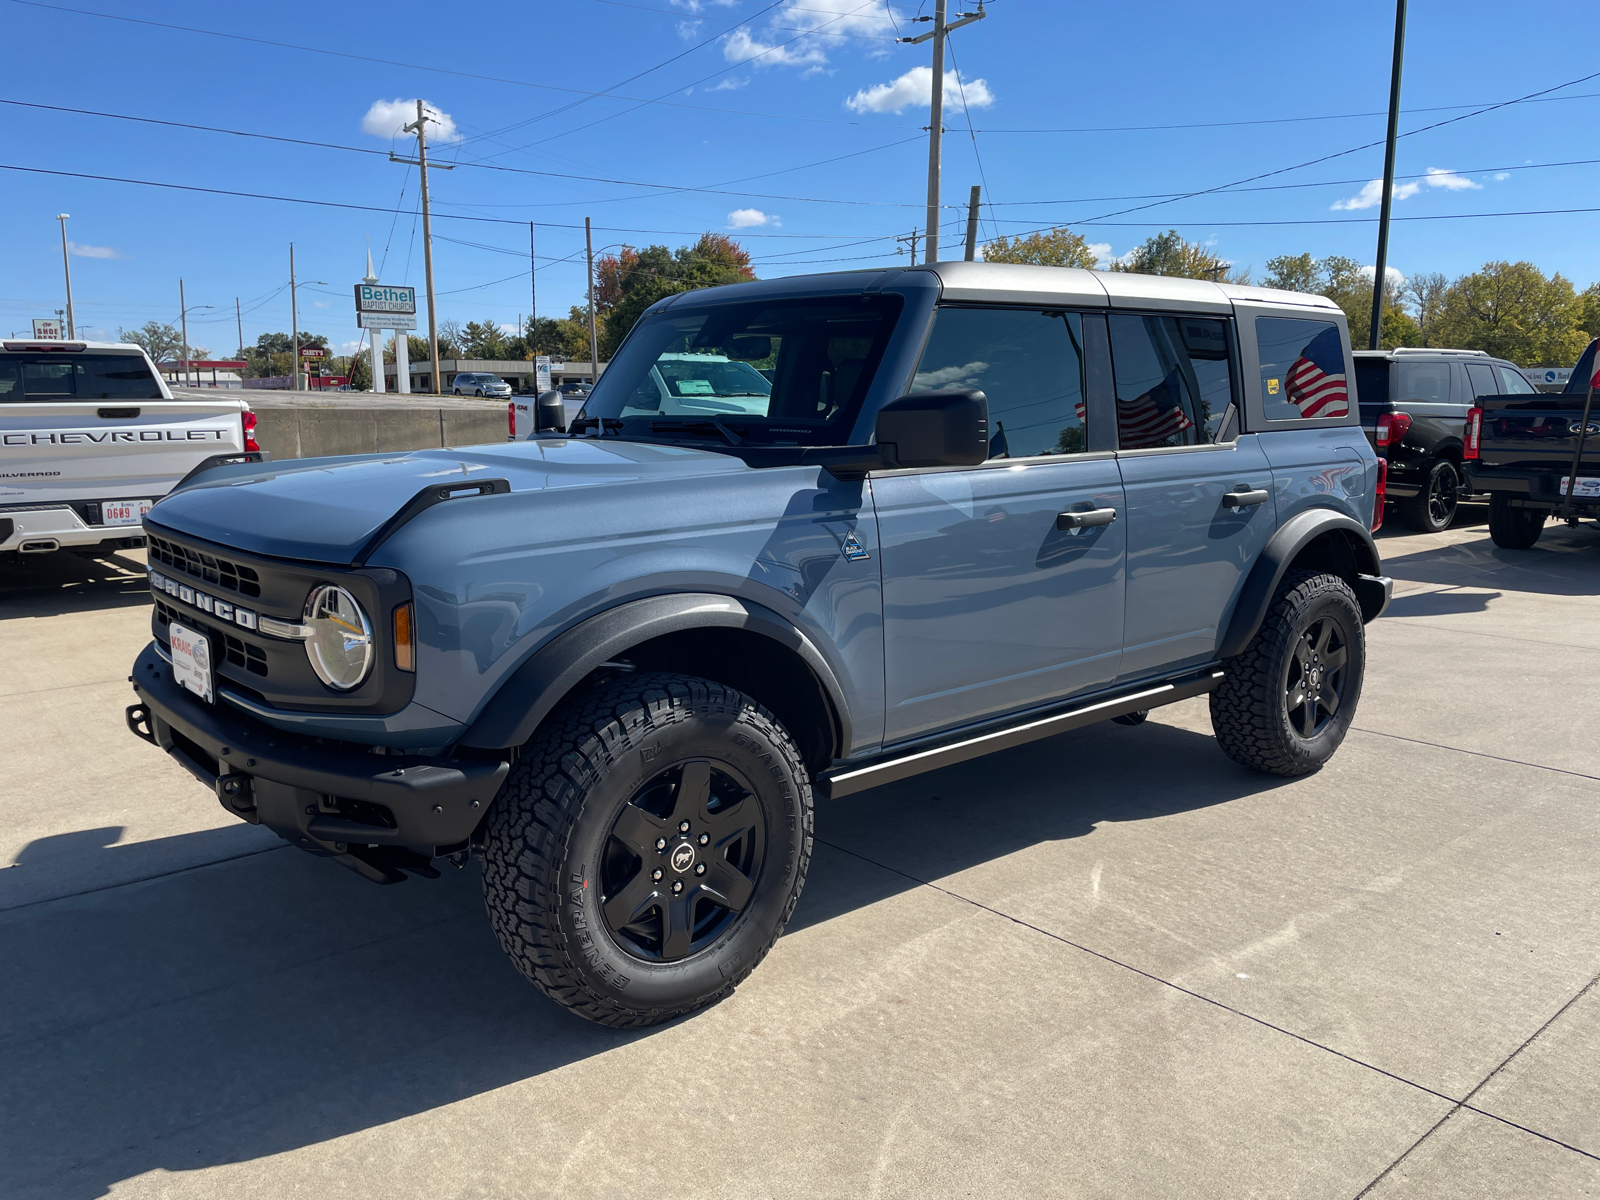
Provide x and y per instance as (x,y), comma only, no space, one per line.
(924,429)
(549,413)
(936,429)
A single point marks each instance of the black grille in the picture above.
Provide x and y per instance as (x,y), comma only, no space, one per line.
(219,571)
(238,651)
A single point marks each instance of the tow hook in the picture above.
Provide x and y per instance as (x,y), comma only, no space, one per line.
(138,718)
(234,791)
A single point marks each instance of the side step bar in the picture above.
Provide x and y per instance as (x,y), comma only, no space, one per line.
(845,781)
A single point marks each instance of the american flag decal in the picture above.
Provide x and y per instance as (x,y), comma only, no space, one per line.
(1316,383)
(1153,418)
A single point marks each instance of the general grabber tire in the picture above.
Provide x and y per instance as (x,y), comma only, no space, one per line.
(648,848)
(1287,701)
(1514,528)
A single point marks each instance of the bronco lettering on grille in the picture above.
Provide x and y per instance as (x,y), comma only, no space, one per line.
(221,609)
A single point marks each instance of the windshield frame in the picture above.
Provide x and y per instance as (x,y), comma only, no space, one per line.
(710,430)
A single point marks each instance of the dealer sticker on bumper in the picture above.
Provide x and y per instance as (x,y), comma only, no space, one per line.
(191,661)
(1588,485)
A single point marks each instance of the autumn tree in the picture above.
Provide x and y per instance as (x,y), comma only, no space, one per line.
(163,343)
(630,282)
(1058,247)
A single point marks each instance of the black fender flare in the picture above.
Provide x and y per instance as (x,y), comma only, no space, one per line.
(1293,536)
(526,697)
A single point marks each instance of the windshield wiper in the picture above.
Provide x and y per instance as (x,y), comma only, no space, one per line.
(598,424)
(690,425)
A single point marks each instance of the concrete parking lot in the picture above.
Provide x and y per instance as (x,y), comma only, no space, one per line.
(1112,964)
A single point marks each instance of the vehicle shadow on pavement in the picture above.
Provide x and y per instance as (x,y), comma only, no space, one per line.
(1445,603)
(43,585)
(1564,562)
(236,1011)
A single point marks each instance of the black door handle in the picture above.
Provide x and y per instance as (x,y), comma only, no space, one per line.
(1245,499)
(1087,519)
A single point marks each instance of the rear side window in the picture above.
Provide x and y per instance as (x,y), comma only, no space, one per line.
(1028,364)
(1302,369)
(1372,381)
(1514,383)
(80,377)
(1481,376)
(1426,383)
(1174,380)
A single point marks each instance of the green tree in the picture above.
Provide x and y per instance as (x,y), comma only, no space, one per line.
(1294,273)
(1058,247)
(360,373)
(1515,311)
(1588,311)
(163,343)
(1169,254)
(273,353)
(1425,293)
(484,339)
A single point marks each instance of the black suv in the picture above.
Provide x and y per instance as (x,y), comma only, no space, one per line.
(1414,407)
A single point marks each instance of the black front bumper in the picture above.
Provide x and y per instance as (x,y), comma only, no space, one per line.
(370,811)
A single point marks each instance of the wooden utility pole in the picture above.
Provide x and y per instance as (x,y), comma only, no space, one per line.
(594,342)
(420,128)
(238,318)
(183,320)
(911,240)
(972,223)
(533,292)
(294,325)
(936,112)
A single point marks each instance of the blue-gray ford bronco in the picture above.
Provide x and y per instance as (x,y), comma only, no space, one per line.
(807,536)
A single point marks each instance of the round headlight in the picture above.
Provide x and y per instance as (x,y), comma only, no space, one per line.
(340,645)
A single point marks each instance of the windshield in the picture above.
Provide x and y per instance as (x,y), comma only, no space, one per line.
(770,372)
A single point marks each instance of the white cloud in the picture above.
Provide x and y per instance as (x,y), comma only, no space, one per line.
(915,89)
(1101,251)
(729,85)
(688,29)
(1438,177)
(1392,274)
(824,22)
(1371,193)
(93,251)
(386,118)
(320,304)
(1502,176)
(750,218)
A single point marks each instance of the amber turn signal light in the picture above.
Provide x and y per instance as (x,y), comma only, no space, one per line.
(405,638)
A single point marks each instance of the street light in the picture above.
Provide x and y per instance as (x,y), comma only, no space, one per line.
(184,310)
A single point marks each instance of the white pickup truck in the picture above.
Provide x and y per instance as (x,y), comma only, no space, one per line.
(91,438)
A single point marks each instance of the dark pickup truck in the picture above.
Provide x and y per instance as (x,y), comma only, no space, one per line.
(1521,451)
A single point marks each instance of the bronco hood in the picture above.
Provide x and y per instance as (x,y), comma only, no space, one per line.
(327,509)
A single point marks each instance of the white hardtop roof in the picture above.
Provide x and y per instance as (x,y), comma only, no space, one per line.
(1028,284)
(48,343)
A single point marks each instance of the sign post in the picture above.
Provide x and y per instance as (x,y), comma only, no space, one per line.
(384,306)
(46,329)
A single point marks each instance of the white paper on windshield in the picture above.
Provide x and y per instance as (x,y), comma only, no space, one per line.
(695,387)
(191,661)
(1588,485)
(124,512)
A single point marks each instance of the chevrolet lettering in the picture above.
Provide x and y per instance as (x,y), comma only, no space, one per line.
(75,437)
(806,535)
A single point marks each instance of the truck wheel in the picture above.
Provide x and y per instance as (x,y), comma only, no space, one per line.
(648,847)
(1288,699)
(1433,507)
(1514,528)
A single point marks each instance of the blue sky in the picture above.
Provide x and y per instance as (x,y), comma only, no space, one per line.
(797,127)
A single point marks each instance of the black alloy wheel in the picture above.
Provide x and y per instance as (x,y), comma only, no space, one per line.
(1313,688)
(1434,506)
(682,861)
(1287,700)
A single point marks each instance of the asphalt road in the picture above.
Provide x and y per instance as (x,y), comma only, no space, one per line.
(1112,964)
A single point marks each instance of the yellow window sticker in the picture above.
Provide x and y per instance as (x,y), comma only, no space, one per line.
(1272,387)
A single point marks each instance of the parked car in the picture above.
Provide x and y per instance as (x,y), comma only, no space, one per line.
(91,438)
(574,390)
(982,504)
(1520,449)
(479,383)
(1414,406)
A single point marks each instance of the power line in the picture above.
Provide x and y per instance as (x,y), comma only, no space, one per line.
(684,13)
(1278,120)
(474,75)
(186,187)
